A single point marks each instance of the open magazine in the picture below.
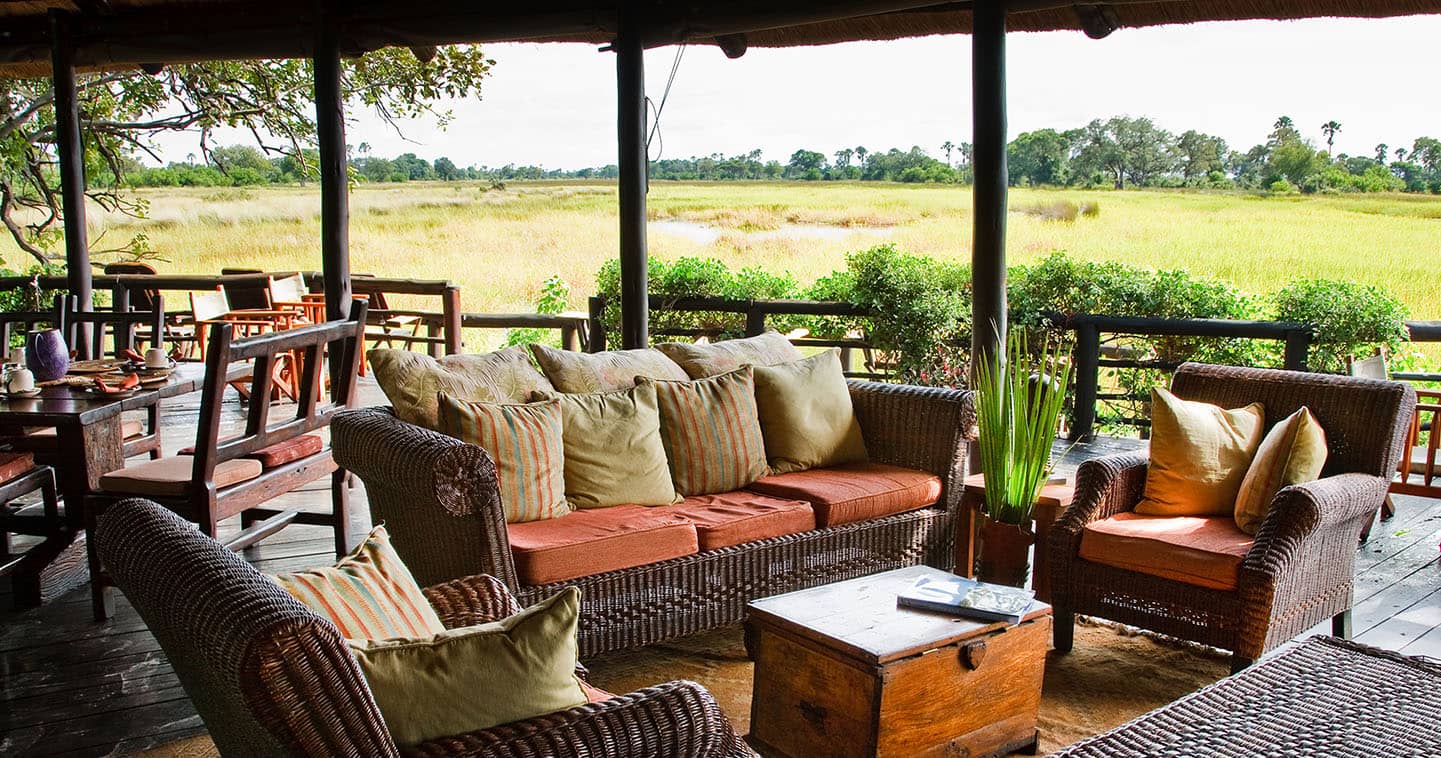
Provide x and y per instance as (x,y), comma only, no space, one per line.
(970,598)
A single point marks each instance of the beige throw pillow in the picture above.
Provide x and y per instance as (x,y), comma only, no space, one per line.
(476,677)
(700,361)
(570,371)
(412,380)
(806,414)
(1293,452)
(1199,455)
(613,450)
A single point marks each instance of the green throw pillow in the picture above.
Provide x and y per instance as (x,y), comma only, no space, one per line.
(476,677)
(806,414)
(613,450)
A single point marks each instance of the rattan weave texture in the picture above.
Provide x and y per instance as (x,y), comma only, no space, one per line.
(1323,697)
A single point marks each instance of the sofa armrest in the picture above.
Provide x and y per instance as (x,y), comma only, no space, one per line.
(1305,548)
(438,496)
(923,428)
(471,600)
(673,719)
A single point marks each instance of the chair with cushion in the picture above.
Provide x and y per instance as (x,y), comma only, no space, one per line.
(269,677)
(1203,578)
(235,474)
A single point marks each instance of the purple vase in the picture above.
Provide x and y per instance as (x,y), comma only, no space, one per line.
(46,355)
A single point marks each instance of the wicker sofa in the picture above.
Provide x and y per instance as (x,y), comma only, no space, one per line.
(439,499)
(271,678)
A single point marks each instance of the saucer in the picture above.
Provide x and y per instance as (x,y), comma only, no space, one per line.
(23,393)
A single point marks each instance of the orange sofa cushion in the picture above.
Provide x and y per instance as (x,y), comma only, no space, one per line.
(855,491)
(596,540)
(733,518)
(1204,551)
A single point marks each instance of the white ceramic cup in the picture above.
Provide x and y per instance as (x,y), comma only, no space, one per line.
(20,380)
(155,357)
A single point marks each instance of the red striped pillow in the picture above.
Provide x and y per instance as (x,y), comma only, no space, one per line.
(712,432)
(368,595)
(527,444)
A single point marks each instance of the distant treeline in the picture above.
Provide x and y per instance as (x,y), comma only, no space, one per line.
(1119,152)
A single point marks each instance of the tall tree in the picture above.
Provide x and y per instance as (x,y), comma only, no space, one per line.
(1381,151)
(122,111)
(948,146)
(1330,128)
(861,152)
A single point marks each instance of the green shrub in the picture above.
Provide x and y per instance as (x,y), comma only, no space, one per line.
(554,298)
(921,310)
(1349,319)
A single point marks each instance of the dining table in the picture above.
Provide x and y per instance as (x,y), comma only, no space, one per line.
(89,444)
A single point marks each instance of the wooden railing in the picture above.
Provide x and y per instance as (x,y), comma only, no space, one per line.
(757,313)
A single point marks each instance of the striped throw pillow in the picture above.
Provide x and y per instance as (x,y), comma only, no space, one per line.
(712,432)
(527,443)
(368,595)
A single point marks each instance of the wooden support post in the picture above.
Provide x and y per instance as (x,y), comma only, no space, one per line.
(1298,345)
(1088,379)
(450,311)
(334,177)
(630,139)
(755,320)
(70,150)
(597,324)
(988,251)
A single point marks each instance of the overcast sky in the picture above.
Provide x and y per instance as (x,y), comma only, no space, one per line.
(554,105)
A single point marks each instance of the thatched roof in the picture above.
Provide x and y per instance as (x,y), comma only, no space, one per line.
(113,33)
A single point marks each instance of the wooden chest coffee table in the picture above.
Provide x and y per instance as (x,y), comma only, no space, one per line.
(842,671)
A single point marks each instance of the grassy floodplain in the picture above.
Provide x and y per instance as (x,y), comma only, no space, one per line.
(499,245)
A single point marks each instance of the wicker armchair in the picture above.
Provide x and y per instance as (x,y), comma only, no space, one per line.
(438,497)
(270,678)
(1299,570)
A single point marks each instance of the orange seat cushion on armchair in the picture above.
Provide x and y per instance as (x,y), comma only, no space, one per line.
(1203,551)
(596,540)
(855,491)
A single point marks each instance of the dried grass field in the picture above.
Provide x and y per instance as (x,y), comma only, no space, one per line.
(500,245)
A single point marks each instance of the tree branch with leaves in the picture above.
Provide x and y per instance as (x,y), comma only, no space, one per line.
(121,112)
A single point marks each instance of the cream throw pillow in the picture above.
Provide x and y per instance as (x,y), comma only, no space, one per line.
(806,414)
(1199,455)
(701,361)
(613,449)
(412,380)
(476,677)
(1293,452)
(613,370)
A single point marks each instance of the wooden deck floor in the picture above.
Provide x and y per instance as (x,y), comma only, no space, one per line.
(70,686)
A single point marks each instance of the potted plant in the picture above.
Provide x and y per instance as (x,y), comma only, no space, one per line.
(1019,395)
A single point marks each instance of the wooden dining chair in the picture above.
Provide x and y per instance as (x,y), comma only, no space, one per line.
(1420,457)
(22,524)
(230,475)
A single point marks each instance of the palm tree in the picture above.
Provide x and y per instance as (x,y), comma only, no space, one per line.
(1284,122)
(1329,129)
(1381,151)
(948,146)
(861,156)
(1400,155)
(843,157)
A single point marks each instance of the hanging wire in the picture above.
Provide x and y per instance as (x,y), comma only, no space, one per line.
(658,109)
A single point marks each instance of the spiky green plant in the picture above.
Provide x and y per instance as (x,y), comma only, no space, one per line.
(1019,395)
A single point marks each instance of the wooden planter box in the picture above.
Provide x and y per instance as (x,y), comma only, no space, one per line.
(841,671)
